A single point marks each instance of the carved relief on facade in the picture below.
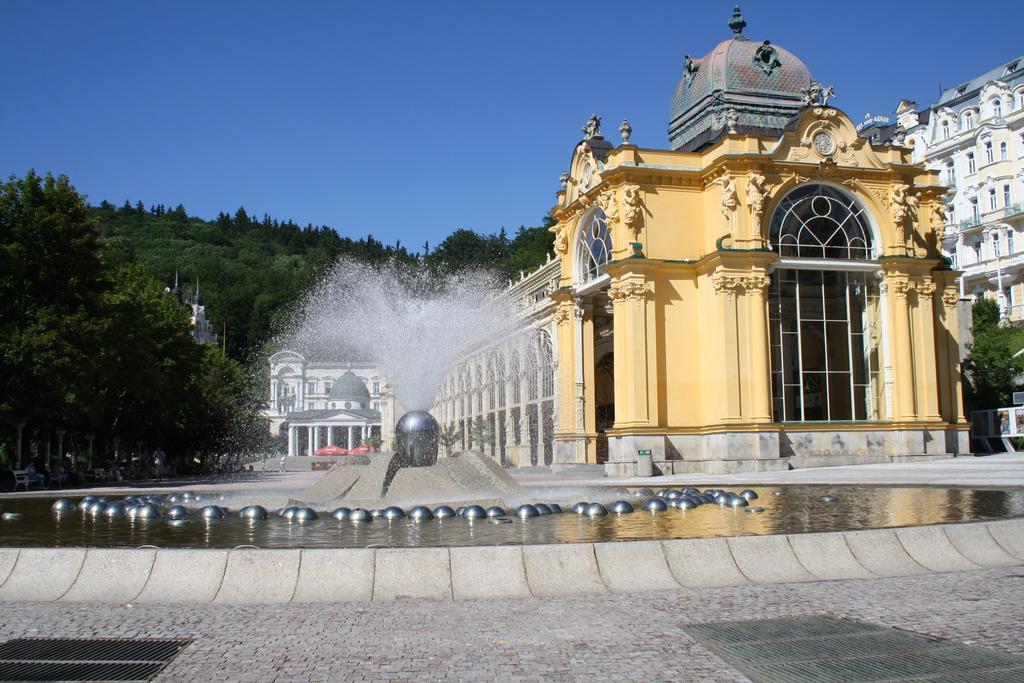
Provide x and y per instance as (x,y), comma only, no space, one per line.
(737,283)
(564,312)
(757,193)
(925,286)
(950,297)
(633,211)
(561,239)
(730,200)
(606,200)
(901,287)
(630,290)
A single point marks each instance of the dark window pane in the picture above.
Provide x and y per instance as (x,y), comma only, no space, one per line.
(792,394)
(838,346)
(812,345)
(860,404)
(815,396)
(839,406)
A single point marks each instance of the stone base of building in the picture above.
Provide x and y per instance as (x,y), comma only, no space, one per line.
(781,448)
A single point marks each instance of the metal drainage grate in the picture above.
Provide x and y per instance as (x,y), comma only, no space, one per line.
(822,649)
(86,659)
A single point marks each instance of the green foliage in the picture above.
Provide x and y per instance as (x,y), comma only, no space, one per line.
(482,434)
(90,342)
(449,437)
(990,366)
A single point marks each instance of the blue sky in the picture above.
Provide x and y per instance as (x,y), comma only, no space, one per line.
(410,119)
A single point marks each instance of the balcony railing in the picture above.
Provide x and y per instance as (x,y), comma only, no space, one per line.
(1013,209)
(970,222)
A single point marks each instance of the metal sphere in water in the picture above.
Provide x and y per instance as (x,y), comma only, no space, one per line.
(393,512)
(542,508)
(738,502)
(621,507)
(87,501)
(377,513)
(596,510)
(60,505)
(416,439)
(555,508)
(748,495)
(115,510)
(178,522)
(253,512)
(755,509)
(655,505)
(287,512)
(621,491)
(474,512)
(673,495)
(580,508)
(304,515)
(341,514)
(97,508)
(147,512)
(177,512)
(776,493)
(360,515)
(211,512)
(495,511)
(420,513)
(643,493)
(828,499)
(686,503)
(11,516)
(527,510)
(443,512)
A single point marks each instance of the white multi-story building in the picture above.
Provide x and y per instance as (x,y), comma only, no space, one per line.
(974,135)
(320,403)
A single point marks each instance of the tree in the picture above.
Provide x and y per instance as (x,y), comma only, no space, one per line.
(450,435)
(483,434)
(991,367)
(51,288)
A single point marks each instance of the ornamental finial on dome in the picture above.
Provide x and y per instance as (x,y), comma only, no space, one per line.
(737,23)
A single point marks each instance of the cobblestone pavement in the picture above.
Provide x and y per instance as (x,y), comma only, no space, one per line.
(627,637)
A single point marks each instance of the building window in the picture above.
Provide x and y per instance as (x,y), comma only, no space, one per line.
(1020,99)
(997,107)
(971,166)
(945,130)
(991,199)
(310,387)
(824,321)
(968,120)
(1006,195)
(327,387)
(996,252)
(988,152)
(376,388)
(593,246)
(975,216)
(1004,151)
(1009,242)
(977,252)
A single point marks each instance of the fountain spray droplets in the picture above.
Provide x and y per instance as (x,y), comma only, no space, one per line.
(413,323)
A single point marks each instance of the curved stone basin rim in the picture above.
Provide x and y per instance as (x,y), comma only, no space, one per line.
(256,576)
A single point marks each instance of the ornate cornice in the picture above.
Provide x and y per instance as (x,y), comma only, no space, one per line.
(735,283)
(632,290)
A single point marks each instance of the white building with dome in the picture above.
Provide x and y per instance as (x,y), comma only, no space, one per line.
(316,403)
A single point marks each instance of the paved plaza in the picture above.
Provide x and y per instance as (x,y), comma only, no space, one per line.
(620,637)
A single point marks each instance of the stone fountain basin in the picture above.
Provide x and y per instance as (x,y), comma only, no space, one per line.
(256,576)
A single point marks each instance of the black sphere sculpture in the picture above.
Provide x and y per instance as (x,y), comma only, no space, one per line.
(416,439)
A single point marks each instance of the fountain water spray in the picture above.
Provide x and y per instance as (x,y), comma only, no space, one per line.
(412,322)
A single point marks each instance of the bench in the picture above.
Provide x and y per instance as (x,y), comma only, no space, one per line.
(21,478)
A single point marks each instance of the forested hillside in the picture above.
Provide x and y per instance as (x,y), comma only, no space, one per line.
(250,271)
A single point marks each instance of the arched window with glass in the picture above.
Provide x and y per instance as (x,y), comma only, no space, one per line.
(824,309)
(593,246)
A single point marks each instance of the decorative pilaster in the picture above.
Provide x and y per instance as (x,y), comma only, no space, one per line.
(745,320)
(629,294)
(901,345)
(927,371)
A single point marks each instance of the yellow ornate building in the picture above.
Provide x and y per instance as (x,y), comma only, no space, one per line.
(768,292)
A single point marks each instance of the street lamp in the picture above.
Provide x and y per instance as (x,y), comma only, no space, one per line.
(999,273)
(17,451)
(60,446)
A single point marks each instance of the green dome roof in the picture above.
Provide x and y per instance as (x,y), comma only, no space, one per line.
(349,387)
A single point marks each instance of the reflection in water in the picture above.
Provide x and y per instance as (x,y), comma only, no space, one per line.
(799,509)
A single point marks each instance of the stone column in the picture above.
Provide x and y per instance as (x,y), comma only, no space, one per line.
(351,438)
(629,294)
(292,445)
(758,344)
(330,434)
(901,348)
(927,372)
(309,445)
